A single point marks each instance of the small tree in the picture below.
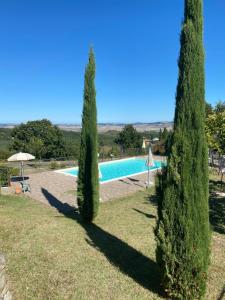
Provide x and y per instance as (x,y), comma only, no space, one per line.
(165,134)
(88,181)
(168,142)
(215,131)
(129,138)
(160,134)
(183,221)
(208,109)
(220,107)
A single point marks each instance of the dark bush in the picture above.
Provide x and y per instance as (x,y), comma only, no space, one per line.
(4,154)
(4,175)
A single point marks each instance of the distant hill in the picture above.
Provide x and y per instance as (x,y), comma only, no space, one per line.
(105,127)
(71,133)
(9,125)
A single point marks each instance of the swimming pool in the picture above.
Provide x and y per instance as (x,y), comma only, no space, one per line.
(118,169)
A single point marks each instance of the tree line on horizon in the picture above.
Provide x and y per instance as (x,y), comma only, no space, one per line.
(47,141)
(182,229)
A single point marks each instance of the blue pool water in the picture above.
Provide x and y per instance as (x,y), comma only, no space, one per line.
(121,168)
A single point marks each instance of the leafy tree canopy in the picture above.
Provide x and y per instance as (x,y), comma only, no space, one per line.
(129,138)
(215,131)
(208,109)
(39,138)
(220,107)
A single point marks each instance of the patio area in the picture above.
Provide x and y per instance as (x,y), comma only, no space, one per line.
(47,186)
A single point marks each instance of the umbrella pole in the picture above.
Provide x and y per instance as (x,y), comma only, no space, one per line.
(148,166)
(149,158)
(22,172)
(21,169)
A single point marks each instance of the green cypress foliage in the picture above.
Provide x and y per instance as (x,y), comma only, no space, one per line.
(182,231)
(164,134)
(160,134)
(88,181)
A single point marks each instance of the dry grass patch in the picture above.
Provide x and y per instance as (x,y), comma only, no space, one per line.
(51,255)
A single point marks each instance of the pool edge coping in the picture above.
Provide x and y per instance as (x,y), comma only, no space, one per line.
(62,171)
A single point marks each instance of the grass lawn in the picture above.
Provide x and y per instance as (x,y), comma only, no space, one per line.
(51,255)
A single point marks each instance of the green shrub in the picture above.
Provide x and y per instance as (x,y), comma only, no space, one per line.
(53,165)
(4,175)
(62,165)
(14,171)
(57,165)
(7,172)
(4,154)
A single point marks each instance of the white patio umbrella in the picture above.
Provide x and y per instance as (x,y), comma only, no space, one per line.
(21,157)
(150,161)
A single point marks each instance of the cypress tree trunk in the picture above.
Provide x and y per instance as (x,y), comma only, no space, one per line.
(182,231)
(88,181)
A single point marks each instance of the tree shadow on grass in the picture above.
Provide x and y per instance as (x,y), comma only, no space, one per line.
(216,207)
(217,214)
(150,216)
(152,199)
(63,208)
(131,262)
(216,186)
(222,294)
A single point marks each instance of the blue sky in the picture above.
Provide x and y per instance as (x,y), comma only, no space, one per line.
(44,49)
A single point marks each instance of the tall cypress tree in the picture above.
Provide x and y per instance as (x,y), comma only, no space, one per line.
(182,231)
(165,134)
(88,182)
(160,134)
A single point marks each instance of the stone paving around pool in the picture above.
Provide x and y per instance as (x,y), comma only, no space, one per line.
(53,188)
(59,190)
